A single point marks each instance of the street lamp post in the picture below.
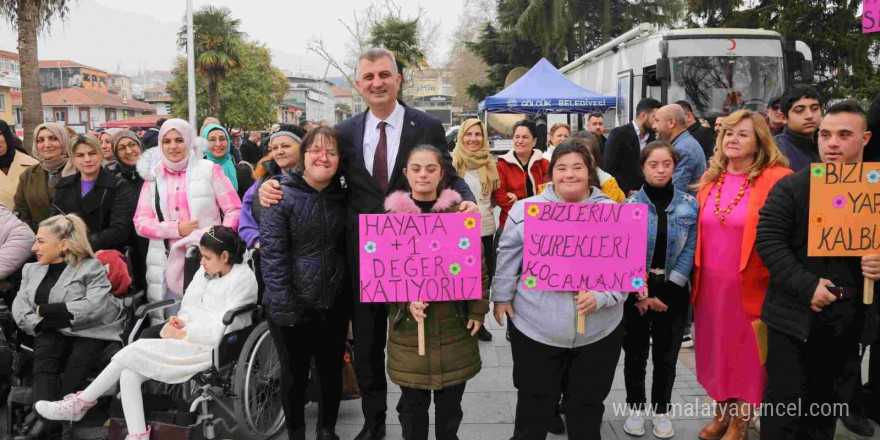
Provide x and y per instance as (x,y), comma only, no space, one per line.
(190,64)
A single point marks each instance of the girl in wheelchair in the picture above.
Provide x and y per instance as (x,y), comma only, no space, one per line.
(222,283)
(64,303)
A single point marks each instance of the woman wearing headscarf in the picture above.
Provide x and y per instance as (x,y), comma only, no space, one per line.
(181,198)
(127,149)
(12,164)
(36,187)
(106,138)
(220,152)
(475,165)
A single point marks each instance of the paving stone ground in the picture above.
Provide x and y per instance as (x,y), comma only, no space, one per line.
(490,401)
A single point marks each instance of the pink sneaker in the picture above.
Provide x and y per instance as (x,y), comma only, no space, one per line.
(142,436)
(72,408)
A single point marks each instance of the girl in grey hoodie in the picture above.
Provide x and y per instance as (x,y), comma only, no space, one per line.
(547,350)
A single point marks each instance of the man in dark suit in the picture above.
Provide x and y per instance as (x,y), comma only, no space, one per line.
(375,146)
(596,125)
(704,135)
(626,142)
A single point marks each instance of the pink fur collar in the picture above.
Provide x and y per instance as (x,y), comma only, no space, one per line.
(400,202)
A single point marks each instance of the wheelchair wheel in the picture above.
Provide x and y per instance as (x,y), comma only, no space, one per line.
(257,385)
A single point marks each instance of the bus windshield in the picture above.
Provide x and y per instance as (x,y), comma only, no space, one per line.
(723,84)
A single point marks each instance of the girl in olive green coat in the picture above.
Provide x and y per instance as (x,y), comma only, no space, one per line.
(452,356)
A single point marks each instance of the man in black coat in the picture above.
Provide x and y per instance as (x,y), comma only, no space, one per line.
(813,309)
(626,142)
(596,125)
(250,148)
(704,135)
(151,137)
(386,130)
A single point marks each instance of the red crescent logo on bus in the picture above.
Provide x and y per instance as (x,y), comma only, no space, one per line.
(733,44)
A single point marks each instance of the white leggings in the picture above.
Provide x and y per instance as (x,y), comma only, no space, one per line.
(130,389)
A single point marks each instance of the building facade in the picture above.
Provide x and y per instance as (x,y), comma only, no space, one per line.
(120,85)
(315,95)
(10,83)
(62,74)
(88,109)
(431,91)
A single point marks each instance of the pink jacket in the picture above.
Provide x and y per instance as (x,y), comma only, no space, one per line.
(203,193)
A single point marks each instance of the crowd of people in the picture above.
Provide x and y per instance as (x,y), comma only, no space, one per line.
(726,254)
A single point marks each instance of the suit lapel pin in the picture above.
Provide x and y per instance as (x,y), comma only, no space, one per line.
(413,123)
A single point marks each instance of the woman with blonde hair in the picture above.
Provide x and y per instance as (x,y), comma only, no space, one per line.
(103,200)
(559,133)
(64,303)
(729,286)
(474,164)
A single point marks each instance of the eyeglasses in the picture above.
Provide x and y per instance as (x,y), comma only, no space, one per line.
(211,234)
(318,152)
(123,147)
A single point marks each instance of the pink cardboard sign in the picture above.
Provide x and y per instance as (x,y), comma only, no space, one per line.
(420,257)
(870,16)
(585,246)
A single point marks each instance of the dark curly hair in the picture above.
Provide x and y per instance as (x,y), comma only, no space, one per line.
(222,238)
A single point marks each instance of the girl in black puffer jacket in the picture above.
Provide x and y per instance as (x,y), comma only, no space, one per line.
(307,294)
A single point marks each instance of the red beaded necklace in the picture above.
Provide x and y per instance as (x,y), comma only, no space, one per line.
(723,213)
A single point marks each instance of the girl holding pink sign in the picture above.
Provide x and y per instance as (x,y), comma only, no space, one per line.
(549,355)
(453,356)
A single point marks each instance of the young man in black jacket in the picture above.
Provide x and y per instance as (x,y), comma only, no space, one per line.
(626,142)
(813,309)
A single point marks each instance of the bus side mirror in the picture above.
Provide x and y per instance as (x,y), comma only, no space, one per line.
(662,72)
(807,72)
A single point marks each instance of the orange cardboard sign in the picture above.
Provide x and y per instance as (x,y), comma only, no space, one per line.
(844,210)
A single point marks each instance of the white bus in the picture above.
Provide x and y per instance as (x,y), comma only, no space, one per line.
(716,70)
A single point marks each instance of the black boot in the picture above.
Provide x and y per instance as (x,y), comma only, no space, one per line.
(857,423)
(326,434)
(484,335)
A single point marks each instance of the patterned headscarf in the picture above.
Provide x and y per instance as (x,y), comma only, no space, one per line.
(185,130)
(60,163)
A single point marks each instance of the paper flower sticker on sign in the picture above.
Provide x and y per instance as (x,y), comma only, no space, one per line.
(464,243)
(839,202)
(370,247)
(534,210)
(818,170)
(455,268)
(873,176)
(637,214)
(531,281)
(470,223)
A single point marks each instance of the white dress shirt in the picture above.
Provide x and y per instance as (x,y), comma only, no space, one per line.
(393,130)
(643,140)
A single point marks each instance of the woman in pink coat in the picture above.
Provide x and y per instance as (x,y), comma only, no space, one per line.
(182,197)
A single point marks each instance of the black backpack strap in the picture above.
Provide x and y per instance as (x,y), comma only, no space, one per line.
(161,218)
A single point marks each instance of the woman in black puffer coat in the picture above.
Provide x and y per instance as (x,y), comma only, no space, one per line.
(307,293)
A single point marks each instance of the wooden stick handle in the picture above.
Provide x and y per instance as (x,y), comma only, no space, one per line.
(869,291)
(422,338)
(582,319)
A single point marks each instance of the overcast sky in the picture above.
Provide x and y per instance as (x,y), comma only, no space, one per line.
(128,35)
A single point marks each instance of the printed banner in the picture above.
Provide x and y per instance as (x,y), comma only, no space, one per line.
(585,246)
(870,16)
(844,208)
(420,257)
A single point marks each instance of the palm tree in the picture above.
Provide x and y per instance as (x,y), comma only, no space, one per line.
(217,48)
(401,37)
(31,17)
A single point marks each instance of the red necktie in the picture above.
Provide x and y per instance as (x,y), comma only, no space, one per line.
(380,160)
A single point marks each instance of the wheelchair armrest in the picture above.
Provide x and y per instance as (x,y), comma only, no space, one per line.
(129,300)
(230,315)
(149,307)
